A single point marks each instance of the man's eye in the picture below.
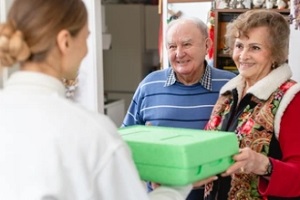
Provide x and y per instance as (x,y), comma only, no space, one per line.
(256,48)
(172,47)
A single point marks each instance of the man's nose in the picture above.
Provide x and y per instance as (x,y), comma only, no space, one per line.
(180,52)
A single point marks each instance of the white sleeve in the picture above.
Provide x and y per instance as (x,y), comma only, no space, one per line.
(170,193)
(119,180)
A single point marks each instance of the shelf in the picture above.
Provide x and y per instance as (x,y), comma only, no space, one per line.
(244,10)
(187,1)
(223,55)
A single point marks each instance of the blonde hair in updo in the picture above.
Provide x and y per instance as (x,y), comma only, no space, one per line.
(32,27)
(13,48)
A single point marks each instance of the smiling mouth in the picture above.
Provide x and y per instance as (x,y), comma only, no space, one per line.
(246,64)
(183,62)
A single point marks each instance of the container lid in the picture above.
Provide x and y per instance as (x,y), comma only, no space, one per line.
(178,147)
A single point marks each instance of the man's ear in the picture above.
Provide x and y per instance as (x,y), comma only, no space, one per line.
(63,41)
(208,43)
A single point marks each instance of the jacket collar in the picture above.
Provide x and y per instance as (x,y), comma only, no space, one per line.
(34,82)
(264,87)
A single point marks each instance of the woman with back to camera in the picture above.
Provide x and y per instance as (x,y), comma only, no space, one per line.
(50,147)
(261,105)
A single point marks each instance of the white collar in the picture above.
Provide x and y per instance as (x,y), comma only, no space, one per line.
(34,80)
(264,87)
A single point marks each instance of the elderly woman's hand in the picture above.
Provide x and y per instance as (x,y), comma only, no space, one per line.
(248,161)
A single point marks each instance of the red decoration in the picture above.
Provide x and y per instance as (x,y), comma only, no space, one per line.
(211,24)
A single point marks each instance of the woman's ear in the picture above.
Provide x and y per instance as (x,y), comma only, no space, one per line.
(63,41)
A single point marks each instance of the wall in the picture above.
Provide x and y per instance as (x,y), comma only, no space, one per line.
(133,48)
(294,50)
(4,6)
(197,9)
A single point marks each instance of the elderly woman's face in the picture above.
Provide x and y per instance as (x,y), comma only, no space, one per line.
(252,55)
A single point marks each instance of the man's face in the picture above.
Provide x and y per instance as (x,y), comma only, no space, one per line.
(186,49)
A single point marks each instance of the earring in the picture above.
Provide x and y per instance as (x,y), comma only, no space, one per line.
(274,65)
(70,86)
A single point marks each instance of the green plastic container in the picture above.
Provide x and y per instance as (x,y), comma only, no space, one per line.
(179,156)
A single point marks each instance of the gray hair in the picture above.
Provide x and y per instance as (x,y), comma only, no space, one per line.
(198,23)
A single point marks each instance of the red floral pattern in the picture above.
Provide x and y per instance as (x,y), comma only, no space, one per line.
(255,128)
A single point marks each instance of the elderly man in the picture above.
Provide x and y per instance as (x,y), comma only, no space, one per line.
(184,94)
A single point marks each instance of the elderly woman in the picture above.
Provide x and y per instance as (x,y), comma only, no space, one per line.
(51,148)
(261,105)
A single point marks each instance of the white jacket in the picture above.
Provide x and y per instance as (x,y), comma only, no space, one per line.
(51,148)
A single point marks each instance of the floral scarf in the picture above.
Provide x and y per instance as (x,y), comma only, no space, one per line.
(252,119)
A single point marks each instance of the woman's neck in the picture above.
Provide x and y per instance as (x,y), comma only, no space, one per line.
(42,67)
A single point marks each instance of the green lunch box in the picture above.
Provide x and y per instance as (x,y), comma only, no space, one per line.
(179,156)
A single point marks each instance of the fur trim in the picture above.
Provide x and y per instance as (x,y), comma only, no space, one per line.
(287,98)
(264,87)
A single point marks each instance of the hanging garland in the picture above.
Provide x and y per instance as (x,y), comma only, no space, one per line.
(211,25)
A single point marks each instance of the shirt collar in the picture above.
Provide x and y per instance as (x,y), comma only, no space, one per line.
(205,81)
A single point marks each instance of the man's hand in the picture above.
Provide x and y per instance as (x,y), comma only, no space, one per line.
(201,183)
(195,185)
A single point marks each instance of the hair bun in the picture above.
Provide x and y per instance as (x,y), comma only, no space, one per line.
(18,47)
(13,48)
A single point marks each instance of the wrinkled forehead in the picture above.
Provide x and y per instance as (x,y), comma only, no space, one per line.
(183,31)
